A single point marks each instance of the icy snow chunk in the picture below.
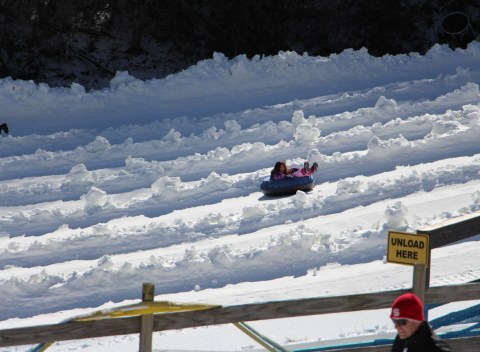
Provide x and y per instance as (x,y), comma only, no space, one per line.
(306,133)
(374,144)
(303,237)
(298,118)
(167,186)
(43,279)
(377,148)
(239,69)
(475,200)
(219,57)
(445,127)
(219,256)
(100,144)
(211,221)
(77,89)
(290,57)
(79,175)
(172,136)
(232,126)
(211,133)
(473,115)
(429,180)
(133,163)
(141,166)
(124,81)
(105,263)
(44,88)
(192,255)
(385,106)
(253,213)
(220,153)
(95,199)
(349,187)
(300,198)
(395,215)
(214,181)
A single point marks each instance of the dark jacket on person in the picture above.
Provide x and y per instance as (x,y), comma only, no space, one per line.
(422,340)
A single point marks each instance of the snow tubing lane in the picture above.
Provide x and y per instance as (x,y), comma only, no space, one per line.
(286,186)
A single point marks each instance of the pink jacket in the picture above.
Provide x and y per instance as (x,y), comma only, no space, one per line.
(302,173)
(278,176)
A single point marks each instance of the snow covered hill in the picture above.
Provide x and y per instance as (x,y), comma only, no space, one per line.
(158,181)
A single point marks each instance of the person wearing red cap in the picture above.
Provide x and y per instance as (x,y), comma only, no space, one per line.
(414,333)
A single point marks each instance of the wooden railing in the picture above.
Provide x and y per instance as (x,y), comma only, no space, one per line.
(450,232)
(230,314)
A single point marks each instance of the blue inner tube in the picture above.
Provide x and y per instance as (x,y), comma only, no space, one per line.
(288,185)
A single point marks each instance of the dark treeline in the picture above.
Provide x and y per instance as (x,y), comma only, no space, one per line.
(87,41)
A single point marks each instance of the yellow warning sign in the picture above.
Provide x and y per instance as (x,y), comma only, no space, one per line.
(407,248)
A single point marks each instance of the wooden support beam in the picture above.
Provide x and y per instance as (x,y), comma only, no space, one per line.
(452,230)
(146,325)
(69,331)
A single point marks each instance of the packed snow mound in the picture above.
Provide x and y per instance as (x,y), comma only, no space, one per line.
(234,83)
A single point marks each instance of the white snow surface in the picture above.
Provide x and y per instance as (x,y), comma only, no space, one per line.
(158,181)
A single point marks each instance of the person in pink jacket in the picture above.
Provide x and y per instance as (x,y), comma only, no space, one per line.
(280,171)
(306,170)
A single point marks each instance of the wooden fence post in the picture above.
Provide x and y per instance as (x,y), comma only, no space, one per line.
(146,326)
(419,274)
